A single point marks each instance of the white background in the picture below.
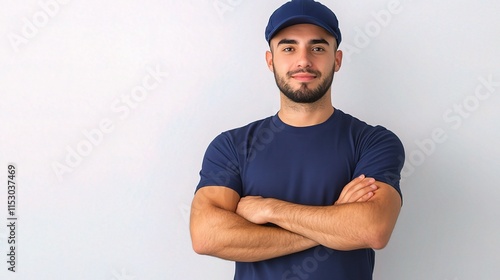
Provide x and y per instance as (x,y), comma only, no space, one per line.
(115,204)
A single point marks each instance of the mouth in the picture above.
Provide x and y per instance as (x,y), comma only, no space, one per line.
(303,77)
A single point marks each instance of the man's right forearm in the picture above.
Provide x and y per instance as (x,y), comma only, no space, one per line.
(222,233)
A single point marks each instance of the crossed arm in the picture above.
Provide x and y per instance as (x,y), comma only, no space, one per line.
(225,226)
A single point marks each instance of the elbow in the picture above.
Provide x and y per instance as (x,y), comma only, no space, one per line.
(197,245)
(199,248)
(378,239)
(380,232)
(200,243)
(379,244)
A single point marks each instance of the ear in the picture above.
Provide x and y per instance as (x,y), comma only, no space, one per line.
(338,60)
(269,60)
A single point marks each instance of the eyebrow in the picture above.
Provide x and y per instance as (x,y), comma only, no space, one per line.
(319,41)
(311,42)
(287,42)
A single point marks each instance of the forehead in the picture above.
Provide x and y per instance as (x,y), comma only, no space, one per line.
(303,32)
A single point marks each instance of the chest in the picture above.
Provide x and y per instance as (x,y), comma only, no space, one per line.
(306,170)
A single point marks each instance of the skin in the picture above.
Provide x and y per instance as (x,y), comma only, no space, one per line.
(231,227)
(303,54)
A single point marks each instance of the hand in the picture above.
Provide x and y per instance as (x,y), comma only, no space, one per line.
(253,209)
(360,189)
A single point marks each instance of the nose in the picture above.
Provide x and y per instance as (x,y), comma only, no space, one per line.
(304,58)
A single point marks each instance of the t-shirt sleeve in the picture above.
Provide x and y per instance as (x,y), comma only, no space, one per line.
(220,165)
(381,156)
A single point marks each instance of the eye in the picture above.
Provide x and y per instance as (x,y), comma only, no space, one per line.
(288,49)
(318,49)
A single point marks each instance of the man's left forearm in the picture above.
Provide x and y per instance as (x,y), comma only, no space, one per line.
(346,226)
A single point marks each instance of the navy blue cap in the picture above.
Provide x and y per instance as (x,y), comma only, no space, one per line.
(303,11)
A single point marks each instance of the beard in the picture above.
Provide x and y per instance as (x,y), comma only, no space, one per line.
(304,94)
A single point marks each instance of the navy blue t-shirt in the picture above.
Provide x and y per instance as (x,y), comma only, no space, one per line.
(308,166)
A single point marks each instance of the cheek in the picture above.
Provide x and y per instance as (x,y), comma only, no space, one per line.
(333,66)
(279,68)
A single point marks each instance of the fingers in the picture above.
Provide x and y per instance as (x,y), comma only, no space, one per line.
(351,184)
(368,195)
(358,190)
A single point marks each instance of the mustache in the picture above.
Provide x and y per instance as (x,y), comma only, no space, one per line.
(309,71)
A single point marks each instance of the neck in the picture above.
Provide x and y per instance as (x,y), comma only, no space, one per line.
(302,115)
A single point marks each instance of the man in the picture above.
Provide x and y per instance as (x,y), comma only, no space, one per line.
(307,193)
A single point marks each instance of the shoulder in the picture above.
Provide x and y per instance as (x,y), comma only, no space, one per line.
(364,133)
(247,132)
(255,125)
(379,152)
(234,140)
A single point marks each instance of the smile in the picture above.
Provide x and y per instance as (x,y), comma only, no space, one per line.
(304,77)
